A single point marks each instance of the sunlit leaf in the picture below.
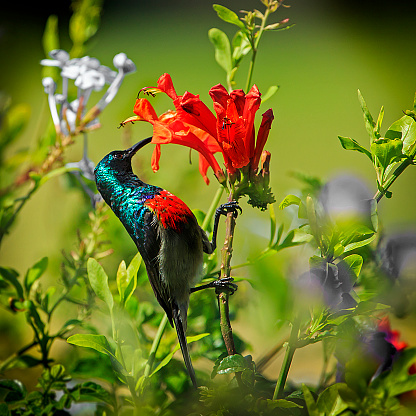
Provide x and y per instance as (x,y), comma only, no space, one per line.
(269,93)
(50,40)
(232,364)
(289,200)
(354,262)
(229,16)
(387,151)
(98,343)
(240,47)
(272,223)
(132,271)
(99,282)
(351,144)
(330,402)
(405,130)
(122,279)
(169,357)
(222,48)
(368,119)
(310,402)
(35,272)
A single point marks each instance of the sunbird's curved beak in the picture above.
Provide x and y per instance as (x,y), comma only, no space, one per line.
(133,150)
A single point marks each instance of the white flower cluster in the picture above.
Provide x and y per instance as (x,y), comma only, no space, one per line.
(88,75)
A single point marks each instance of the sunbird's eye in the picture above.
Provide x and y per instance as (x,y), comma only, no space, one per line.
(118,156)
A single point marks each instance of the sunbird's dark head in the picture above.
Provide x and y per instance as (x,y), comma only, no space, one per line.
(119,161)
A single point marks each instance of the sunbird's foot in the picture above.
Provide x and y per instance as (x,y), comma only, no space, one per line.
(224,283)
(231,206)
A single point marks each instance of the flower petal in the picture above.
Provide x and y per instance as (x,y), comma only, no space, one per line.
(145,110)
(165,84)
(193,111)
(238,97)
(155,158)
(219,95)
(251,105)
(262,135)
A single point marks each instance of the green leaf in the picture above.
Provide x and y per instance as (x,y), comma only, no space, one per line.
(330,402)
(282,403)
(132,271)
(358,244)
(351,144)
(310,402)
(405,130)
(232,364)
(122,279)
(34,273)
(368,119)
(12,391)
(240,47)
(229,16)
(289,200)
(222,48)
(354,262)
(269,93)
(272,224)
(169,357)
(387,151)
(11,276)
(401,387)
(83,24)
(379,120)
(50,40)
(99,282)
(89,390)
(98,343)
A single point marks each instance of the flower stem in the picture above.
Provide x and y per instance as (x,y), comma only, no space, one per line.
(398,171)
(287,361)
(224,293)
(254,46)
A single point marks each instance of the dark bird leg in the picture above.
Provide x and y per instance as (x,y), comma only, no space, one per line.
(210,246)
(226,282)
(223,209)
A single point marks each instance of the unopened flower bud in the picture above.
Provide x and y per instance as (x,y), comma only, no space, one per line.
(265,166)
(49,85)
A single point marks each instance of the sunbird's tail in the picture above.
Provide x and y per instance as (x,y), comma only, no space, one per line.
(180,330)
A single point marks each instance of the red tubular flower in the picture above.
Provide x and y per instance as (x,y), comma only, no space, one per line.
(169,129)
(230,131)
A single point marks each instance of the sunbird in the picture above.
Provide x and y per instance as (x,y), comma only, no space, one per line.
(165,232)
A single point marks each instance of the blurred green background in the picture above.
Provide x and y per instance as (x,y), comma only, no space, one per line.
(334,48)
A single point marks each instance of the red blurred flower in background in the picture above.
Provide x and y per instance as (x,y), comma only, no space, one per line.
(230,131)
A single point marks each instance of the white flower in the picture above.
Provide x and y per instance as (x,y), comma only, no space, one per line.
(59,58)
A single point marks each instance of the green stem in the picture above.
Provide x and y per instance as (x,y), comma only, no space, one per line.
(155,346)
(398,171)
(287,361)
(254,46)
(223,293)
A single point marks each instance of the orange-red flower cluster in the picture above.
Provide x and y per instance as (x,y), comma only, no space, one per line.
(230,131)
